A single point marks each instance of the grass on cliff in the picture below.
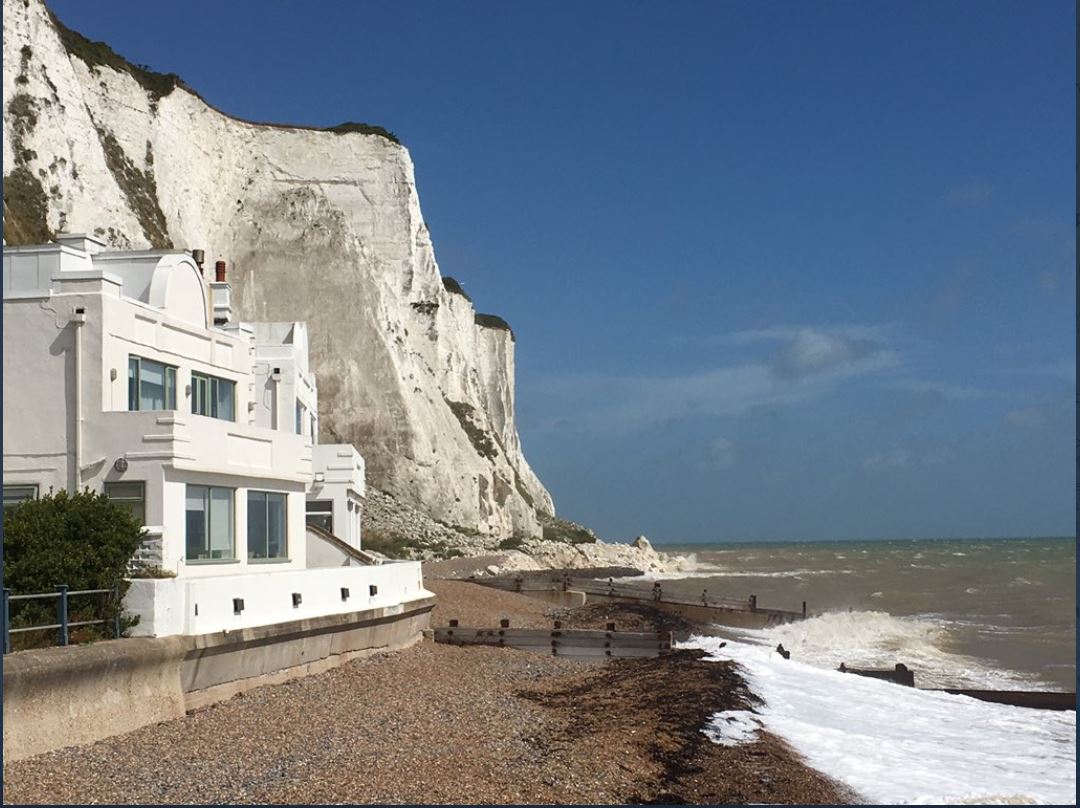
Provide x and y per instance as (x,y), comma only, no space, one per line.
(363,129)
(494,321)
(453,287)
(97,54)
(25,209)
(480,438)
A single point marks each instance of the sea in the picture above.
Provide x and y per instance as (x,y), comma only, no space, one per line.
(972,613)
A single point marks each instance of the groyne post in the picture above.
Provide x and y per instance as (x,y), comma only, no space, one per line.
(753,603)
(804,609)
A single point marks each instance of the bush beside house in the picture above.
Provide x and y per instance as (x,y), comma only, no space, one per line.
(83,541)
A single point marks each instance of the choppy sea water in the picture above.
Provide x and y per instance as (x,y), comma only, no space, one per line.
(961,613)
(995,614)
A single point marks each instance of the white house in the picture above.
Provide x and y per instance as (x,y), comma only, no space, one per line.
(126,372)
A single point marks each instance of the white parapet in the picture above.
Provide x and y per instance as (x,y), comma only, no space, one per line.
(167,606)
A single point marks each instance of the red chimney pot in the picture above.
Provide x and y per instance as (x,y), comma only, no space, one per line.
(219,272)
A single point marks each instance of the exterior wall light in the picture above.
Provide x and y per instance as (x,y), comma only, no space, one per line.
(237,605)
(320,477)
(296,599)
(344,593)
(121,464)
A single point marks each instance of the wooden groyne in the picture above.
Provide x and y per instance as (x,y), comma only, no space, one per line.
(1035,699)
(559,641)
(709,608)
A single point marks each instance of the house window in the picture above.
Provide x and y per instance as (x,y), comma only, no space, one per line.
(151,385)
(320,513)
(266,524)
(213,396)
(131,495)
(300,410)
(14,494)
(210,523)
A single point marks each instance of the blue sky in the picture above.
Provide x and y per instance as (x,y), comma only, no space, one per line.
(777,270)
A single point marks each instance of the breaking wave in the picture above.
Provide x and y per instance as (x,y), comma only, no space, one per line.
(874,639)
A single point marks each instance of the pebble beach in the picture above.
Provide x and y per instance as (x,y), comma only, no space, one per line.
(441,724)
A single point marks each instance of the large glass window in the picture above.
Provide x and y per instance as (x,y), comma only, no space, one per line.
(266,524)
(14,494)
(210,523)
(151,385)
(320,512)
(213,396)
(131,495)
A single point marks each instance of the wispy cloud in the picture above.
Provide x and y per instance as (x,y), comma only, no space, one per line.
(1026,418)
(968,194)
(943,390)
(720,453)
(902,458)
(1064,369)
(813,352)
(807,363)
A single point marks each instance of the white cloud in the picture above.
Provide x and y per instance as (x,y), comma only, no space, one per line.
(811,352)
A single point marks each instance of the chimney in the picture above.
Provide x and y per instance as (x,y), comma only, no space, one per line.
(221,295)
(199,256)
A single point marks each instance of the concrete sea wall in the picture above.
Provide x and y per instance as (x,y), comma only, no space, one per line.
(58,697)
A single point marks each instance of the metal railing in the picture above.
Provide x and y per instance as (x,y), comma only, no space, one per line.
(63,624)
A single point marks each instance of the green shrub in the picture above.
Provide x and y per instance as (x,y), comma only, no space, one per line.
(390,543)
(364,129)
(513,543)
(496,322)
(83,541)
(99,54)
(453,287)
(153,571)
(567,532)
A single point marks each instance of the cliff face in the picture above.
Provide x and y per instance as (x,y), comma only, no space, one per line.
(317,225)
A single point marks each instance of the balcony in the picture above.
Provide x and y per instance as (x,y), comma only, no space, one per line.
(199,443)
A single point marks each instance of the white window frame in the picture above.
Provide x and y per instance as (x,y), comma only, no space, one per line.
(265,540)
(204,395)
(168,374)
(207,554)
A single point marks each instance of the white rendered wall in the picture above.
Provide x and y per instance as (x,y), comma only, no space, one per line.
(267,597)
(46,442)
(342,469)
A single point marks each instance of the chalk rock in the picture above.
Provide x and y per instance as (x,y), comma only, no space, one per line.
(317,226)
(641,543)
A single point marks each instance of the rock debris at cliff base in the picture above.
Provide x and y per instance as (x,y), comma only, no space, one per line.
(441,724)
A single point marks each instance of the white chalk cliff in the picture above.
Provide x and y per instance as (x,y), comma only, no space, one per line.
(316,225)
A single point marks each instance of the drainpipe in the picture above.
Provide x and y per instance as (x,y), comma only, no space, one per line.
(78,318)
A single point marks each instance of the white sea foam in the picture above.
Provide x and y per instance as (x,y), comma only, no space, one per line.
(732,727)
(901,745)
(873,639)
